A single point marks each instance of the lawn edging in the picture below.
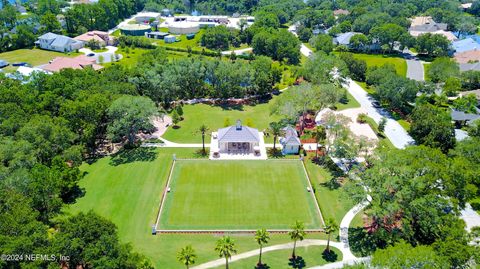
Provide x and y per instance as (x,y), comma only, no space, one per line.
(164,195)
(313,192)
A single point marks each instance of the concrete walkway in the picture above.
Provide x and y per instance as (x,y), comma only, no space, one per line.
(471,217)
(254,253)
(393,130)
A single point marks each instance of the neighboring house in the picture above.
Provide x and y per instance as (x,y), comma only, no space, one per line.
(344,39)
(461,118)
(60,43)
(238,139)
(339,12)
(24,73)
(469,67)
(471,56)
(290,143)
(466,6)
(103,38)
(79,62)
(423,25)
(467,44)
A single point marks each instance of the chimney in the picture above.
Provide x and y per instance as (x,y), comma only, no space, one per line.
(239,125)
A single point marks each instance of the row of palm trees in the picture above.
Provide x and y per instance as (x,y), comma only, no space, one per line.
(225,246)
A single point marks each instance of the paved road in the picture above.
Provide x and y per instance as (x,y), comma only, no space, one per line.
(415,70)
(393,130)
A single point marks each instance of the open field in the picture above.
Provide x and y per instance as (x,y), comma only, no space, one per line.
(32,56)
(238,195)
(279,259)
(379,60)
(126,191)
(214,118)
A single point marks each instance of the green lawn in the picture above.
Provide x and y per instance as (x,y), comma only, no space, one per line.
(379,60)
(426,67)
(127,191)
(333,201)
(238,195)
(279,259)
(405,124)
(214,117)
(130,56)
(352,103)
(184,42)
(32,56)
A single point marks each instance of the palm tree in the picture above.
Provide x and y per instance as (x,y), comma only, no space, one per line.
(203,129)
(330,227)
(276,130)
(225,248)
(186,256)
(262,237)
(297,233)
(320,135)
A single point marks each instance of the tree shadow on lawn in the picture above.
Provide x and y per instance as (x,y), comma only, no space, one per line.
(297,262)
(133,155)
(329,256)
(262,266)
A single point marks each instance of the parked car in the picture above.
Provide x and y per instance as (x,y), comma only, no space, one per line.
(90,54)
(376,104)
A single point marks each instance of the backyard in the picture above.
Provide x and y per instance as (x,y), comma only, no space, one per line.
(238,195)
(379,60)
(126,190)
(215,117)
(31,56)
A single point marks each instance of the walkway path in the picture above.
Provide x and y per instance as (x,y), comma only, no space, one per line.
(107,56)
(253,253)
(237,52)
(393,130)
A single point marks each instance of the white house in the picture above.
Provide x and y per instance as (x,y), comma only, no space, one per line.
(238,139)
(60,43)
(290,143)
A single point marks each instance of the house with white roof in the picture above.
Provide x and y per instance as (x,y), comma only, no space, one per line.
(60,43)
(290,142)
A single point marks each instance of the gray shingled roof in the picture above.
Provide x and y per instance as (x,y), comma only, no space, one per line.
(292,140)
(462,116)
(469,67)
(429,27)
(243,134)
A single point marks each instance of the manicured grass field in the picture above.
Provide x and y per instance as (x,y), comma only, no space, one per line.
(126,191)
(352,103)
(32,56)
(238,195)
(279,259)
(379,60)
(214,118)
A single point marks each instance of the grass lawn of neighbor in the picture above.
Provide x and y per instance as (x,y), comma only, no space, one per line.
(126,190)
(214,117)
(32,56)
(279,259)
(352,103)
(379,60)
(238,195)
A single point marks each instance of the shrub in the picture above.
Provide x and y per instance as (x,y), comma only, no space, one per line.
(362,118)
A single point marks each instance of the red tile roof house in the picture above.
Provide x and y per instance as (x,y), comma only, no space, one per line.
(103,38)
(79,62)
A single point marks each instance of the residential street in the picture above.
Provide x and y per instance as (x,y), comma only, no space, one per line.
(415,69)
(393,130)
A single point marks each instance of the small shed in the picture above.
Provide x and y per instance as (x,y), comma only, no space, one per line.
(190,36)
(170,39)
(156,35)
